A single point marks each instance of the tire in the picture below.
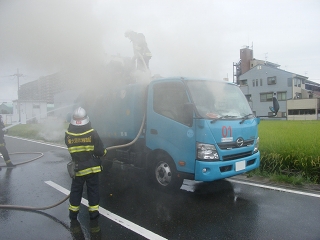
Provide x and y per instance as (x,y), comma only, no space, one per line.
(164,174)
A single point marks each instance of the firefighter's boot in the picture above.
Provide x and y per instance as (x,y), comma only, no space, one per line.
(9,164)
(76,230)
(95,231)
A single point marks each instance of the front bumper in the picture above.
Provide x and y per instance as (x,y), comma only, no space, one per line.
(210,171)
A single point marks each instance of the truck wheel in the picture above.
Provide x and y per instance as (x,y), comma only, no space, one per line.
(165,174)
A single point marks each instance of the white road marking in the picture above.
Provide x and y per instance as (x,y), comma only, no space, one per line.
(276,188)
(124,222)
(35,141)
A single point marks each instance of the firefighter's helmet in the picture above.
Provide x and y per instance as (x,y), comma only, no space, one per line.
(79,117)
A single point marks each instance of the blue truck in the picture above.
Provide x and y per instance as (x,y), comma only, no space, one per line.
(179,128)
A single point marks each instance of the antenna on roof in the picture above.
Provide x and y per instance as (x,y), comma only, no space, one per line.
(252,50)
(265,57)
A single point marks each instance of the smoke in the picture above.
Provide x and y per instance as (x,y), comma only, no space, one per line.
(185,37)
(78,37)
(51,36)
(52,130)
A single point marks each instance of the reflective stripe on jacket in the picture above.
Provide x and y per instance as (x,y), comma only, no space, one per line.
(88,171)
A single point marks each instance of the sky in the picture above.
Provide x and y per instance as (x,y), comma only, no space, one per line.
(199,38)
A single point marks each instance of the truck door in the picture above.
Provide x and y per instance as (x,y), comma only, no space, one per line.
(166,127)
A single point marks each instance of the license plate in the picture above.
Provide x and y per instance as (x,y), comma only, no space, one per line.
(240,165)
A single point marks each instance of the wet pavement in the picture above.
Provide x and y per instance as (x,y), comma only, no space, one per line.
(132,209)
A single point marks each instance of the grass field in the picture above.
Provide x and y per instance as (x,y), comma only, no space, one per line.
(289,149)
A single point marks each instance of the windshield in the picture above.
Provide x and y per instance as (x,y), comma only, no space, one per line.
(218,100)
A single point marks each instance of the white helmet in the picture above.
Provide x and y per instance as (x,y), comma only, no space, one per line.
(79,117)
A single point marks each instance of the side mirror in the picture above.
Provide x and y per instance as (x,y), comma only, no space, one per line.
(275,108)
(188,113)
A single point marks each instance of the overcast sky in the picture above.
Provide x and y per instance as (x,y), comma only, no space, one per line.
(190,38)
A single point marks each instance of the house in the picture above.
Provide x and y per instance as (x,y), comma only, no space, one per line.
(259,80)
(29,111)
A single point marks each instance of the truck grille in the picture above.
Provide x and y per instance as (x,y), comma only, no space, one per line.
(230,145)
(236,156)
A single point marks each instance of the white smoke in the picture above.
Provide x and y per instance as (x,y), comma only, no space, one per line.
(52,130)
(51,36)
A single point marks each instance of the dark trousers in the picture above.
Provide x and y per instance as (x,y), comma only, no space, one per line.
(92,182)
(4,151)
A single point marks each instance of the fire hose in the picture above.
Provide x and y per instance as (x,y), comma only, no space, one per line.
(28,208)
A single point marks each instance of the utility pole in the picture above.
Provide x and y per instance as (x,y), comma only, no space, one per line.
(18,75)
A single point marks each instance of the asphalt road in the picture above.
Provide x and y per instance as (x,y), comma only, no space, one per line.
(132,209)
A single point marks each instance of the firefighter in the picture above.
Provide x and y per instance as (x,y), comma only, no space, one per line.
(85,147)
(3,149)
(140,47)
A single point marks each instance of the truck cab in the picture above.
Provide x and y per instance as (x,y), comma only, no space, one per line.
(205,128)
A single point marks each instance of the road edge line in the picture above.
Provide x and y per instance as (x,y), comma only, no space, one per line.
(275,188)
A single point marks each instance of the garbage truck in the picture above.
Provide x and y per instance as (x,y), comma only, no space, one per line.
(184,128)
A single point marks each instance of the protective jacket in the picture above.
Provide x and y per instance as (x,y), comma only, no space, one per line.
(85,147)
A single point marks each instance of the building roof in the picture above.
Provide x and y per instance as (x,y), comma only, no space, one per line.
(7,104)
(275,65)
(6,108)
(26,101)
(279,69)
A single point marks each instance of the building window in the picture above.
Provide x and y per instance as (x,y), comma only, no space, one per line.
(244,82)
(301,111)
(272,80)
(266,97)
(35,105)
(297,82)
(253,83)
(282,96)
(248,97)
(260,81)
(257,83)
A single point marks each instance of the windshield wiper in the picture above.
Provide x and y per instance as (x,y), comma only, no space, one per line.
(245,117)
(224,116)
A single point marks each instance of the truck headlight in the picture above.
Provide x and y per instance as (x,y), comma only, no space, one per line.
(207,152)
(256,146)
